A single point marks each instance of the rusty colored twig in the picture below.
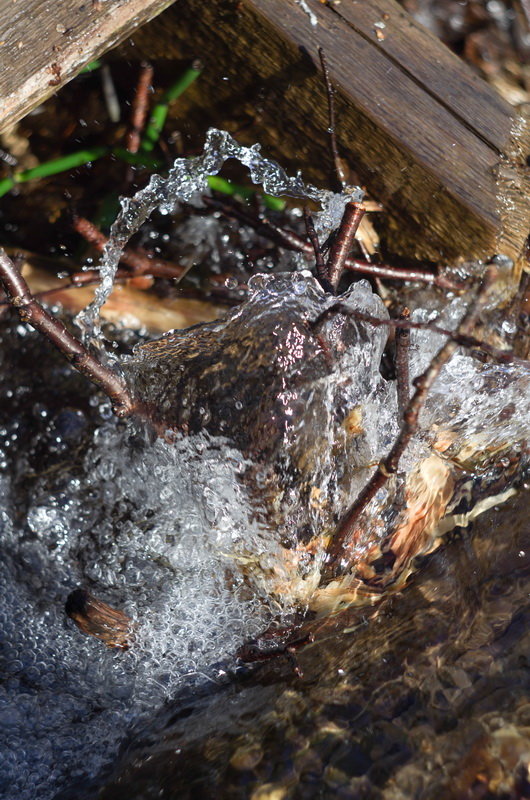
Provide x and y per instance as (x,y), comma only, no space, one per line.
(402,362)
(338,557)
(139,261)
(399,274)
(351,219)
(330,93)
(140,108)
(82,360)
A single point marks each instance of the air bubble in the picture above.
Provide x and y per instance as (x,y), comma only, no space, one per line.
(299,287)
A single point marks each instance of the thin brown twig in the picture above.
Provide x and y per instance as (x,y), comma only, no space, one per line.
(291,241)
(82,360)
(399,274)
(470,342)
(139,261)
(516,306)
(402,362)
(140,108)
(77,281)
(338,557)
(320,264)
(351,219)
(330,93)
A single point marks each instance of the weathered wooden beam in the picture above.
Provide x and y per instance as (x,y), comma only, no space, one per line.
(43,45)
(442,151)
(440,148)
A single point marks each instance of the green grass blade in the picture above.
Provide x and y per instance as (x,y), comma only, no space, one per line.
(219,184)
(53,167)
(159,113)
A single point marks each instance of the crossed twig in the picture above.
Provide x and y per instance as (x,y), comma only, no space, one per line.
(339,560)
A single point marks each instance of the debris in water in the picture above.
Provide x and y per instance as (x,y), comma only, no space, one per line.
(379,29)
(98,619)
(206,536)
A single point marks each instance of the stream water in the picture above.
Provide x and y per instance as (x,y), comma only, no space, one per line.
(198,539)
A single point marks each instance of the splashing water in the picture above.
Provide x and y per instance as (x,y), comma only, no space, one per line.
(159,530)
(142,526)
(174,534)
(186,181)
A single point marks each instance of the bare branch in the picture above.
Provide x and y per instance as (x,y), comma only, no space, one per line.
(321,269)
(139,261)
(140,107)
(291,241)
(353,214)
(402,362)
(330,93)
(82,360)
(503,356)
(399,274)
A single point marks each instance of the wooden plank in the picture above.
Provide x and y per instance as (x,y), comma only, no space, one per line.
(416,51)
(443,152)
(43,45)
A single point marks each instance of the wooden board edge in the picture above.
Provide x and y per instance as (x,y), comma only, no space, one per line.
(102,32)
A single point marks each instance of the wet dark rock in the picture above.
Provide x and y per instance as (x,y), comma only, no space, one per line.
(259,376)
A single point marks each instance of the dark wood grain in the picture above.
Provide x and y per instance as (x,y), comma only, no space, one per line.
(443,152)
(416,51)
(44,44)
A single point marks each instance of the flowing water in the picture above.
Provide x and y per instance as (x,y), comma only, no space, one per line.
(206,539)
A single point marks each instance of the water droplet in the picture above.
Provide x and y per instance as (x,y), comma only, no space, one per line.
(299,287)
